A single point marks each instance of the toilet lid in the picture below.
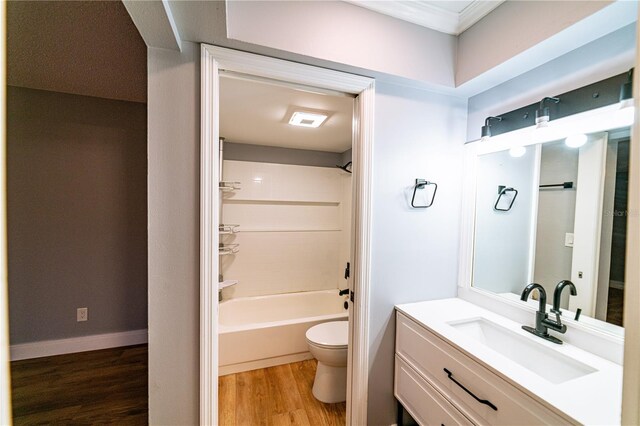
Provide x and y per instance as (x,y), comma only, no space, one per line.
(334,333)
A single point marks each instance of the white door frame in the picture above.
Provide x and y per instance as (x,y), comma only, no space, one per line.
(215,60)
(631,378)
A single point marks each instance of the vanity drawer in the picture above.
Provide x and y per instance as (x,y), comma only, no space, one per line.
(430,356)
(422,401)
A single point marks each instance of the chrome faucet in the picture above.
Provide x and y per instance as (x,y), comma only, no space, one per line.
(543,323)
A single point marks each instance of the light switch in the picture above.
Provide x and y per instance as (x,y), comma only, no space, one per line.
(568,239)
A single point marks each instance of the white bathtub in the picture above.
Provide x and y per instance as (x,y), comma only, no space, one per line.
(263,331)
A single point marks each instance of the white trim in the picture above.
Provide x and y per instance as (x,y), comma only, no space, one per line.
(263,363)
(426,14)
(358,381)
(77,344)
(172,23)
(5,373)
(587,225)
(209,237)
(475,12)
(215,60)
(288,72)
(631,374)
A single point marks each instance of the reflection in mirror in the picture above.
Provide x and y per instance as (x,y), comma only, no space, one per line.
(566,221)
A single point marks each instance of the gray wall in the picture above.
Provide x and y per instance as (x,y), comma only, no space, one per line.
(76,214)
(272,154)
(174,234)
(507,32)
(414,252)
(324,30)
(600,59)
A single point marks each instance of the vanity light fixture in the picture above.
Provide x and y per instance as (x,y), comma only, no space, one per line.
(626,91)
(576,141)
(307,119)
(486,129)
(627,109)
(542,113)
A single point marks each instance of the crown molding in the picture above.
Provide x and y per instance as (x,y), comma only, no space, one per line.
(475,12)
(428,15)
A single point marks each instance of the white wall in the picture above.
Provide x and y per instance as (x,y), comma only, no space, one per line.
(174,234)
(418,134)
(556,214)
(502,239)
(291,230)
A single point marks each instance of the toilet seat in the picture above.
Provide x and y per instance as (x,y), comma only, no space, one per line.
(334,334)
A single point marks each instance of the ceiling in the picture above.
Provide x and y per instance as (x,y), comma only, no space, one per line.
(447,16)
(87,48)
(256,112)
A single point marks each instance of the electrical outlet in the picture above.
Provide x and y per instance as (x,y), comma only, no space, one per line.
(82,314)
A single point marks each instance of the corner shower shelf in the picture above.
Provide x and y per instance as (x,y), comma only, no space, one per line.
(226,283)
(227,229)
(228,186)
(227,249)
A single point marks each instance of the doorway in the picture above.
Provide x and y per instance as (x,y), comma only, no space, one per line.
(217,62)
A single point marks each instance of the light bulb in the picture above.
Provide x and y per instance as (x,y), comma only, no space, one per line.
(575,141)
(517,151)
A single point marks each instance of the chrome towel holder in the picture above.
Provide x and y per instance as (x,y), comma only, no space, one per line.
(421,184)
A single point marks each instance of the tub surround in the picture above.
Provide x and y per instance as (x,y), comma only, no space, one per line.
(592,397)
(294,228)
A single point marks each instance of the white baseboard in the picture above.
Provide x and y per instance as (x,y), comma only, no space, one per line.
(77,344)
(223,370)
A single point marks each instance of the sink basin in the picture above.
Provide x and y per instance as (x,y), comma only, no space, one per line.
(547,363)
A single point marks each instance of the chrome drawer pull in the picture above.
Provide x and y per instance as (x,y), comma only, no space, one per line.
(481,401)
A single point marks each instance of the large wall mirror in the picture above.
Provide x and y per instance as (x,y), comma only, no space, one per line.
(555,210)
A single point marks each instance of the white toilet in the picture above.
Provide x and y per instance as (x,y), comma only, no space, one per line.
(328,344)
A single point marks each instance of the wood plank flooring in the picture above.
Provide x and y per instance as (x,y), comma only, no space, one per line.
(98,387)
(275,396)
(615,306)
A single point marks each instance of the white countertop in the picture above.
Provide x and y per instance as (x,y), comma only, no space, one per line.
(595,398)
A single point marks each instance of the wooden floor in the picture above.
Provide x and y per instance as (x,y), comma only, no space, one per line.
(615,305)
(275,396)
(98,387)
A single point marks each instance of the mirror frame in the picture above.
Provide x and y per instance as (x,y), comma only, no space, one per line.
(594,121)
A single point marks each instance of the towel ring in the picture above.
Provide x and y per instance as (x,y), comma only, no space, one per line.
(503,191)
(421,184)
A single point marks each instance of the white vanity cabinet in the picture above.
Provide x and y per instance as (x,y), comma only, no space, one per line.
(439,384)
